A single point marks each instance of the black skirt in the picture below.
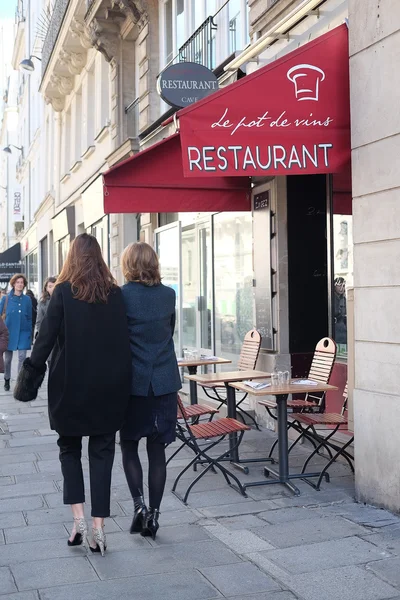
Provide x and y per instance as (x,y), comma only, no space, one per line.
(151,416)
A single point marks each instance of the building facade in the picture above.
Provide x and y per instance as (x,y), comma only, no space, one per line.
(309,256)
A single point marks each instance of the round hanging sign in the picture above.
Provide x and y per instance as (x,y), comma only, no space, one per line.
(184,83)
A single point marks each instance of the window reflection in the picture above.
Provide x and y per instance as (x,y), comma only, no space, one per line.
(233,264)
(343,262)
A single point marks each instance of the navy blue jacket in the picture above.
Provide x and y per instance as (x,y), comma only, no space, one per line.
(151,323)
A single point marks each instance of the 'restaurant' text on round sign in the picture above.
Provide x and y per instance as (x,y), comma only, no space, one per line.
(184,83)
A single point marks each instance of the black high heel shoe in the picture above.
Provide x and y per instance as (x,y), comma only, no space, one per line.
(151,526)
(80,532)
(139,516)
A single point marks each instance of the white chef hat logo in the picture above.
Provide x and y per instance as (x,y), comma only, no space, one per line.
(306,80)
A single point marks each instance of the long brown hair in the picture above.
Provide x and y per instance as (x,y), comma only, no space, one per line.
(86,271)
(45,294)
(140,263)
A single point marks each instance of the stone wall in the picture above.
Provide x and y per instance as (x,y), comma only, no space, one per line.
(375,83)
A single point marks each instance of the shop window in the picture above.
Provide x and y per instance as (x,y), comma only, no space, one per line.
(342,235)
(233,281)
(44,259)
(32,272)
(63,247)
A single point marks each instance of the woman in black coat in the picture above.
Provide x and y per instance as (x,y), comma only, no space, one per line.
(89,378)
(150,308)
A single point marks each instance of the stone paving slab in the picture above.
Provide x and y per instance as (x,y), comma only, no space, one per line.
(12,520)
(299,533)
(7,585)
(19,468)
(267,596)
(344,583)
(242,578)
(388,570)
(24,503)
(52,572)
(168,586)
(32,533)
(33,595)
(167,559)
(326,555)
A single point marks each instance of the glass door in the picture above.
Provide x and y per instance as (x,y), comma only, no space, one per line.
(205,333)
(168,242)
(197,304)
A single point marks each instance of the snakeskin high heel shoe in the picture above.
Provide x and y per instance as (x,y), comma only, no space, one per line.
(81,531)
(99,538)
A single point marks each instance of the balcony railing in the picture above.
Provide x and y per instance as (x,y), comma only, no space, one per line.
(200,47)
(57,18)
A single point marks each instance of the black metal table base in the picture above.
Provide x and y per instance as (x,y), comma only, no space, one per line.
(283,476)
(286,480)
(240,463)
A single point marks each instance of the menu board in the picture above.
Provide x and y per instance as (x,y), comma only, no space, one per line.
(262,268)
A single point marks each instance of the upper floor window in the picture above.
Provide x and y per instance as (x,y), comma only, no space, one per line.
(204,31)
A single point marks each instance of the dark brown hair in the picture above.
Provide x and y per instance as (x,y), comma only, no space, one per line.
(45,294)
(140,263)
(86,271)
(14,278)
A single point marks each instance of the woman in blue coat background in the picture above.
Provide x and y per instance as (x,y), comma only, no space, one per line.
(150,308)
(18,318)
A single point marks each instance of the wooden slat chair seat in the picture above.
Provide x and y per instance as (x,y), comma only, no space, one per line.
(192,412)
(309,424)
(212,433)
(247,362)
(320,370)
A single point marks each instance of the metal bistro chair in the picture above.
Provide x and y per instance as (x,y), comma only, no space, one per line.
(206,432)
(193,412)
(247,362)
(310,423)
(320,370)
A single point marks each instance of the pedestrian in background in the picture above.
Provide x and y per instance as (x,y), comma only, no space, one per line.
(16,310)
(3,343)
(34,310)
(150,308)
(89,378)
(44,301)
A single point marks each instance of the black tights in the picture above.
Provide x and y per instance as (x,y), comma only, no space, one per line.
(134,473)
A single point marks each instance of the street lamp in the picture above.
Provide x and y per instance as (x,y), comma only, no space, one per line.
(27,64)
(8,150)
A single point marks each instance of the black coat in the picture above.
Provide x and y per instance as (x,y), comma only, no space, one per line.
(151,322)
(90,370)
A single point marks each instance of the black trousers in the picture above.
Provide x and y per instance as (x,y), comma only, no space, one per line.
(101,459)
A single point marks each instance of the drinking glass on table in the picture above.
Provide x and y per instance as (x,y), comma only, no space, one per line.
(187,355)
(274,378)
(285,377)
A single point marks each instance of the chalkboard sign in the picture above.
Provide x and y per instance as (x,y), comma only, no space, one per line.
(307,261)
(262,268)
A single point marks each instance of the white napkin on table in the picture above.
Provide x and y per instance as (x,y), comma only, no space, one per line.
(304,382)
(256,385)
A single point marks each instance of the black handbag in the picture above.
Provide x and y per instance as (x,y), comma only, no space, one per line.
(28,382)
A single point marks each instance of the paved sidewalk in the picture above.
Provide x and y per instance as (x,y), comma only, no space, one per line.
(271,546)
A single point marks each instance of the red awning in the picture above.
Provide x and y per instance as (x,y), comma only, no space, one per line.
(153,181)
(290,117)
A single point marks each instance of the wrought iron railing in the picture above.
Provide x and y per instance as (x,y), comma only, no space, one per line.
(200,47)
(57,17)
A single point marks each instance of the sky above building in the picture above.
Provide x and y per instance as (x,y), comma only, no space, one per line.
(7,9)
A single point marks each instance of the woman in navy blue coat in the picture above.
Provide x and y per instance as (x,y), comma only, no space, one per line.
(17,307)
(150,308)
